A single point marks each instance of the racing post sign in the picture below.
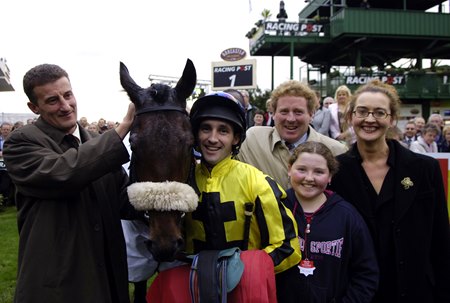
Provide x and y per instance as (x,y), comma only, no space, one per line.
(239,74)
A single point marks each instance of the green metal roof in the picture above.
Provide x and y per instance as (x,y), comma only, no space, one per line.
(323,7)
(376,37)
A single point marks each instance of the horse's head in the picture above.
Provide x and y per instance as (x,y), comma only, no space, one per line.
(161,137)
(161,142)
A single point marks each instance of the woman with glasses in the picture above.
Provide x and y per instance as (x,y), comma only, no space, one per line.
(400,195)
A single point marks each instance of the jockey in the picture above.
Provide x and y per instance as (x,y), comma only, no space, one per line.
(229,189)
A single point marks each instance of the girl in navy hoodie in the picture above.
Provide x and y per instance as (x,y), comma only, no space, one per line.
(338,258)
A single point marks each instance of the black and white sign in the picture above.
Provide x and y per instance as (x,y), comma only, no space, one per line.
(295,29)
(238,74)
(359,80)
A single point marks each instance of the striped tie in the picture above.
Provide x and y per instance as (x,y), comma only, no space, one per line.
(290,146)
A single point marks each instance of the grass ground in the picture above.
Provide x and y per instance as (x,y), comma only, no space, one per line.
(8,251)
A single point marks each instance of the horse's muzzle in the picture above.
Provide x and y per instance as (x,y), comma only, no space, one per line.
(167,253)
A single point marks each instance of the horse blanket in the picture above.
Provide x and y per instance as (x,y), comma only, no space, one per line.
(257,282)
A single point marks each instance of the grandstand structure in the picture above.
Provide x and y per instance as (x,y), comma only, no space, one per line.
(402,42)
(5,83)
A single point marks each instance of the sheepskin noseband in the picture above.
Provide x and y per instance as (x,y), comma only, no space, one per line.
(162,196)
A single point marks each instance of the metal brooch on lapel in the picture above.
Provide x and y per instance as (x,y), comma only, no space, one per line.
(407,183)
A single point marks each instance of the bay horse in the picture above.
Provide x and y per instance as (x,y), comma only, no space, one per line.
(161,142)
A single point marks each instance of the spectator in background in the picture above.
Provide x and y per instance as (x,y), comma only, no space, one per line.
(17,125)
(111,125)
(409,135)
(321,118)
(445,144)
(437,120)
(395,133)
(426,143)
(93,127)
(328,101)
(249,109)
(237,95)
(269,148)
(6,186)
(419,122)
(5,130)
(258,119)
(84,122)
(102,125)
(400,195)
(30,121)
(268,116)
(339,129)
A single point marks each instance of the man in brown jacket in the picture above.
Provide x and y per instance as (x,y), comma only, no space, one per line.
(269,148)
(71,194)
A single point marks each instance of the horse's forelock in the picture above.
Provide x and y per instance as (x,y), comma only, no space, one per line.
(158,93)
(164,94)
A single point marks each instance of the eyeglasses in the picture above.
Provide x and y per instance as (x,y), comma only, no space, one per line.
(362,112)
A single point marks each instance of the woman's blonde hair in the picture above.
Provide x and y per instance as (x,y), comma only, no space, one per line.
(342,88)
(445,130)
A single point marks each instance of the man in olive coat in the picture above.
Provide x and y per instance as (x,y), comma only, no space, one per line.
(71,194)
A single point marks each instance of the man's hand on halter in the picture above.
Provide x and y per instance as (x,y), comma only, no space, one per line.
(124,127)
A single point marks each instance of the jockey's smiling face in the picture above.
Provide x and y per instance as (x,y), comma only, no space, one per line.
(216,139)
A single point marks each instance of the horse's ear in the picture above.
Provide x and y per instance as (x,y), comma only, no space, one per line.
(129,85)
(188,80)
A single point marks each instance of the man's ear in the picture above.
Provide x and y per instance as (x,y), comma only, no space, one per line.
(33,107)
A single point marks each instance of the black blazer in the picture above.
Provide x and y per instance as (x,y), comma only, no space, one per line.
(420,227)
